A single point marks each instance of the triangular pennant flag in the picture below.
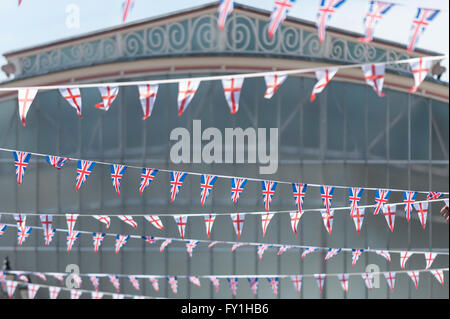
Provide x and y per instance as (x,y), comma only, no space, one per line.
(84,169)
(127,6)
(356,253)
(332,252)
(73,96)
(268,190)
(343,279)
(273,82)
(238,223)
(253,282)
(181,222)
(98,239)
(368,280)
(190,245)
(129,220)
(71,220)
(115,282)
(150,239)
(71,239)
(147,96)
(212,244)
(237,186)
(215,282)
(195,280)
(209,220)
(381,198)
(155,283)
(206,185)
(40,275)
(32,290)
(358,217)
(409,198)
(414,275)
(390,278)
(283,249)
(164,244)
(59,277)
(420,69)
(232,89)
(326,10)
(117,172)
(323,76)
(265,220)
(429,258)
(404,256)
(374,76)
(97,295)
(75,294)
(186,92)
(299,191)
(11,287)
(56,161)
(20,219)
(434,195)
(25,99)
(326,193)
(236,246)
(422,212)
(389,214)
(54,292)
(21,161)
(297,281)
(104,219)
(147,176)
(377,9)
(354,196)
(176,181)
(118,296)
(261,249)
(439,275)
(328,219)
(109,94)
(274,282)
(120,241)
(295,218)
(384,254)
(135,282)
(233,282)
(23,234)
(278,15)
(95,282)
(155,221)
(173,282)
(225,9)
(320,278)
(2,229)
(309,250)
(422,19)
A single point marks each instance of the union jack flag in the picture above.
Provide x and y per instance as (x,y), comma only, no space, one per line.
(32,291)
(155,221)
(25,99)
(135,282)
(115,282)
(356,253)
(109,94)
(59,277)
(104,219)
(368,279)
(98,239)
(261,249)
(326,9)
(419,68)
(75,294)
(195,280)
(297,281)
(40,275)
(278,15)
(176,181)
(233,282)
(343,279)
(332,252)
(354,196)
(283,249)
(225,9)
(232,89)
(2,229)
(327,196)
(328,219)
(22,234)
(409,198)
(374,76)
(215,282)
(237,186)
(71,239)
(209,220)
(238,223)
(439,275)
(181,222)
(164,244)
(323,76)
(186,92)
(173,282)
(57,162)
(265,221)
(423,18)
(21,160)
(414,275)
(404,256)
(320,278)
(384,254)
(274,281)
(377,9)
(295,217)
(95,282)
(117,172)
(154,282)
(71,220)
(147,96)
(273,83)
(389,214)
(390,278)
(147,176)
(129,220)
(127,6)
(206,185)
(268,190)
(73,96)
(429,258)
(381,198)
(120,241)
(253,285)
(422,212)
(190,245)
(84,169)
(150,239)
(309,250)
(434,195)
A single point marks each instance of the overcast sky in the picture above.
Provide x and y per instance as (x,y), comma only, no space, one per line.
(39,21)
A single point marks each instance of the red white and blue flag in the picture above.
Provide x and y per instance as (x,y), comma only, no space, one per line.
(2,229)
(283,249)
(390,278)
(22,234)
(173,282)
(358,218)
(109,94)
(150,239)
(209,221)
(129,220)
(225,9)
(147,176)
(233,282)
(384,253)
(194,280)
(323,76)
(328,219)
(206,185)
(127,6)
(354,196)
(232,89)
(320,278)
(71,239)
(176,181)
(98,239)
(389,214)
(429,258)
(155,283)
(434,195)
(190,245)
(343,279)
(273,83)
(374,76)
(261,249)
(238,223)
(422,19)
(439,275)
(135,282)
(95,281)
(181,222)
(297,282)
(25,99)
(278,15)
(21,161)
(236,246)
(253,282)
(377,9)
(326,10)
(381,198)
(73,96)
(120,241)
(299,191)
(47,225)
(115,282)
(164,244)
(332,252)
(57,162)
(309,250)
(117,172)
(414,275)
(268,190)
(104,219)
(274,283)
(419,69)
(155,221)
(40,275)
(186,92)
(84,169)
(404,256)
(326,193)
(215,281)
(356,253)
(409,198)
(147,96)
(237,186)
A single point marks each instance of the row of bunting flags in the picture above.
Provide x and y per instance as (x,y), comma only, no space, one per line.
(373,75)
(273,281)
